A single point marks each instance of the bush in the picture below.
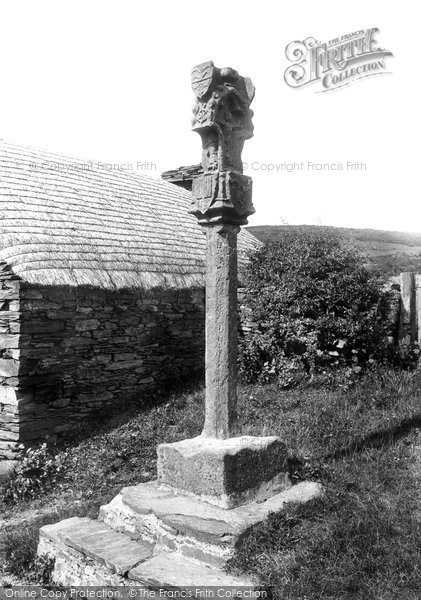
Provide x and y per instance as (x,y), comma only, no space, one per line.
(316,306)
(38,469)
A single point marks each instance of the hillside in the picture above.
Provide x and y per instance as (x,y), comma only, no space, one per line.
(390,252)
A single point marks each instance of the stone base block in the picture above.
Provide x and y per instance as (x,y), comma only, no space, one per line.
(226,473)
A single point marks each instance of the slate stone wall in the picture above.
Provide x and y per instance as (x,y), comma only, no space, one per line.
(9,362)
(67,352)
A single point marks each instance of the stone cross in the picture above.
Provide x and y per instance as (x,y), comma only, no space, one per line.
(220,467)
(222,201)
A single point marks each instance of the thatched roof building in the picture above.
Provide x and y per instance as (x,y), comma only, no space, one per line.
(65,221)
(101,290)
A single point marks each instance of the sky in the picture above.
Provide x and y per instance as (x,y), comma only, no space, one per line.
(110,81)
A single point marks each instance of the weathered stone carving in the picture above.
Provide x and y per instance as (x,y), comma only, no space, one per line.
(222,118)
(222,201)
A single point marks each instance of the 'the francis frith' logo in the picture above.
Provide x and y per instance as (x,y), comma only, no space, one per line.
(336,63)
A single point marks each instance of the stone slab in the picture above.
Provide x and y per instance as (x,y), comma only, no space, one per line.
(147,505)
(110,548)
(73,568)
(190,543)
(51,531)
(225,472)
(171,569)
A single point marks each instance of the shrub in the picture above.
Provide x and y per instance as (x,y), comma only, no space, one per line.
(37,470)
(316,306)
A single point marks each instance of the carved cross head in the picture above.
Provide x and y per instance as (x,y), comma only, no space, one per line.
(222,115)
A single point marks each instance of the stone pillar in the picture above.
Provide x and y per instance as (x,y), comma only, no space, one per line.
(216,467)
(221,331)
(221,202)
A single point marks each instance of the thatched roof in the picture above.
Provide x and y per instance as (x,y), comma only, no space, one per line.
(65,221)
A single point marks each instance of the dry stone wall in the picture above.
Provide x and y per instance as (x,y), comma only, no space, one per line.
(9,362)
(67,352)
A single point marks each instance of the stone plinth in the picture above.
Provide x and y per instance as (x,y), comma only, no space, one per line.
(226,473)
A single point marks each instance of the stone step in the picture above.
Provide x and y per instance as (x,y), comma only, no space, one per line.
(197,529)
(149,535)
(97,541)
(173,570)
(89,553)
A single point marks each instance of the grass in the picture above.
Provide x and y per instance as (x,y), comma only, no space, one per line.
(361,540)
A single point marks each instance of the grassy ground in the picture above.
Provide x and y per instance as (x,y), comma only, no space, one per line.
(360,541)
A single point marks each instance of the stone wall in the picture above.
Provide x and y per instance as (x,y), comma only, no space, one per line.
(67,352)
(9,362)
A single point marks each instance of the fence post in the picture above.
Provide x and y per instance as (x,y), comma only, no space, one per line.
(408,320)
